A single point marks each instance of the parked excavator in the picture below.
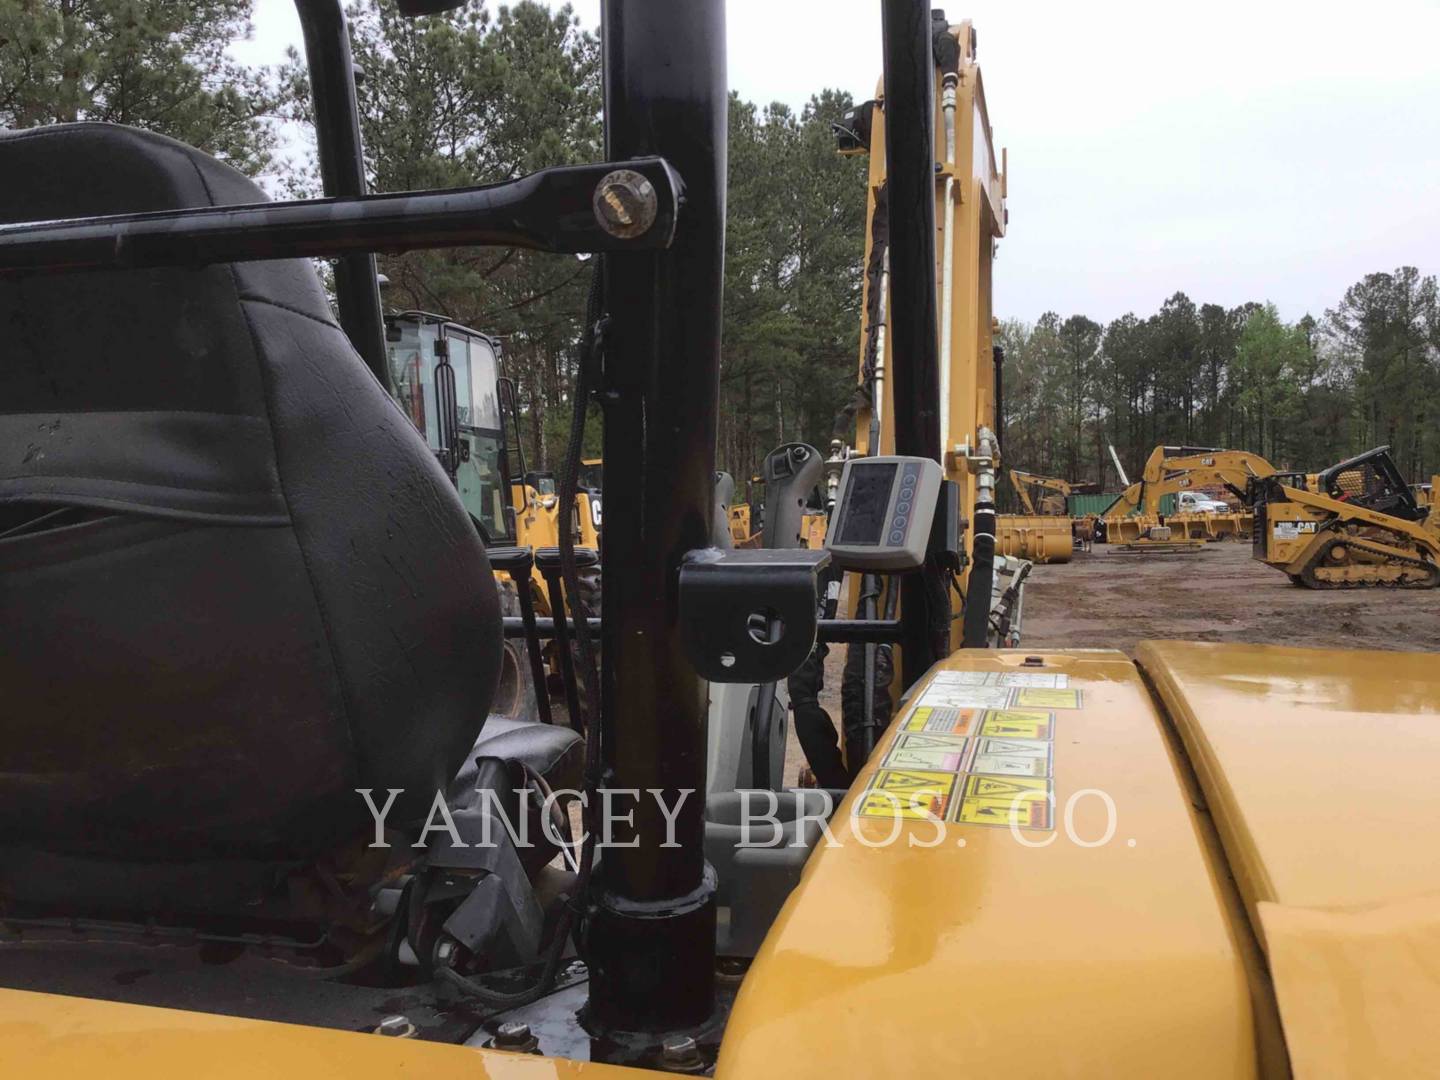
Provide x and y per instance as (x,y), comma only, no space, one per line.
(1054,504)
(1356,525)
(1041,535)
(1134,519)
(255,815)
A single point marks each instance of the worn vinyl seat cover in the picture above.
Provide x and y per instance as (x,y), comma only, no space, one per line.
(260,591)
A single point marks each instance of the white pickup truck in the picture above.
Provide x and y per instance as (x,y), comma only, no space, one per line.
(1195,502)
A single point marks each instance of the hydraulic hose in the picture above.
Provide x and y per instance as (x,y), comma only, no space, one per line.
(976,626)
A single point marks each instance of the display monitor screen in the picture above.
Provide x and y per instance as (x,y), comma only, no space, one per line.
(867,501)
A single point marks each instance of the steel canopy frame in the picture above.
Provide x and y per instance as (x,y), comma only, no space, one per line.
(651,935)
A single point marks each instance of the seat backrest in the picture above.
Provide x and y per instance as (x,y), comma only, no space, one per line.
(235,585)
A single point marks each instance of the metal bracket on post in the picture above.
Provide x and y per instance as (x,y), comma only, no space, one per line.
(749,616)
(550,210)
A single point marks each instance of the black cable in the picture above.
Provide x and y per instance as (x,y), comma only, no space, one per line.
(590,342)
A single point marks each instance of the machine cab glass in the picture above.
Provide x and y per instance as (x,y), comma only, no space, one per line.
(417,345)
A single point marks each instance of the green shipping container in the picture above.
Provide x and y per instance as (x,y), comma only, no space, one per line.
(1080,505)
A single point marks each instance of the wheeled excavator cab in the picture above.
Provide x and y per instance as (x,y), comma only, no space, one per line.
(446,379)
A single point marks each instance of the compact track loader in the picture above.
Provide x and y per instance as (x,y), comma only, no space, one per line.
(1359,526)
(254,812)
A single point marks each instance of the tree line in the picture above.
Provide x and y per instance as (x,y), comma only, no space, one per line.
(1303,395)
(481,95)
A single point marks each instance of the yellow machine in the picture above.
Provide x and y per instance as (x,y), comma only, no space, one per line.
(1053,504)
(1208,861)
(740,532)
(447,379)
(537,519)
(743,534)
(970,219)
(1042,538)
(1134,517)
(1425,493)
(1357,525)
(1045,535)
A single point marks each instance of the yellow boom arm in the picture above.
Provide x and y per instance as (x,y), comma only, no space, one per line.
(1022,481)
(1172,469)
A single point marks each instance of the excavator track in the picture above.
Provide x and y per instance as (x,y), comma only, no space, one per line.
(1335,567)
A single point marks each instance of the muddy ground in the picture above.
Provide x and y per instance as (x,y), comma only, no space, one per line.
(1104,600)
(1114,601)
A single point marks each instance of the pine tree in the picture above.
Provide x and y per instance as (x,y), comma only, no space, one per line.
(154,64)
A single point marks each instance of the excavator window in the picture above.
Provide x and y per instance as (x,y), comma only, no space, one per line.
(408,369)
(416,344)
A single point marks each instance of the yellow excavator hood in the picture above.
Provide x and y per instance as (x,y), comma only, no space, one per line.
(1222,861)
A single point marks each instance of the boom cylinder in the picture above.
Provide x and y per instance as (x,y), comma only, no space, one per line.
(650,937)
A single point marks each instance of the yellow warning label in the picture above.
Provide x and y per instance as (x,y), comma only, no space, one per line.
(942,721)
(1019,724)
(1021,802)
(1022,814)
(1041,698)
(923,751)
(908,793)
(1012,757)
(1006,787)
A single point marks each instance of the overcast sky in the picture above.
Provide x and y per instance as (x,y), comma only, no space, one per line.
(1263,150)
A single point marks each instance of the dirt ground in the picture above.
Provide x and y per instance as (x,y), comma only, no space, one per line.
(1105,601)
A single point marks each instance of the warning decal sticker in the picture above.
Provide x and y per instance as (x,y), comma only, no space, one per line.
(921,751)
(963,678)
(1038,698)
(1034,678)
(976,748)
(1005,787)
(965,697)
(1042,680)
(908,793)
(1019,724)
(944,721)
(1019,802)
(1006,813)
(1012,757)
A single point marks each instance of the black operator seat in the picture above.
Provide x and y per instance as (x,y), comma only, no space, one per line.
(235,585)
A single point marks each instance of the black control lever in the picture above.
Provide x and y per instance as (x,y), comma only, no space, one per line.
(791,473)
(516,562)
(548,561)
